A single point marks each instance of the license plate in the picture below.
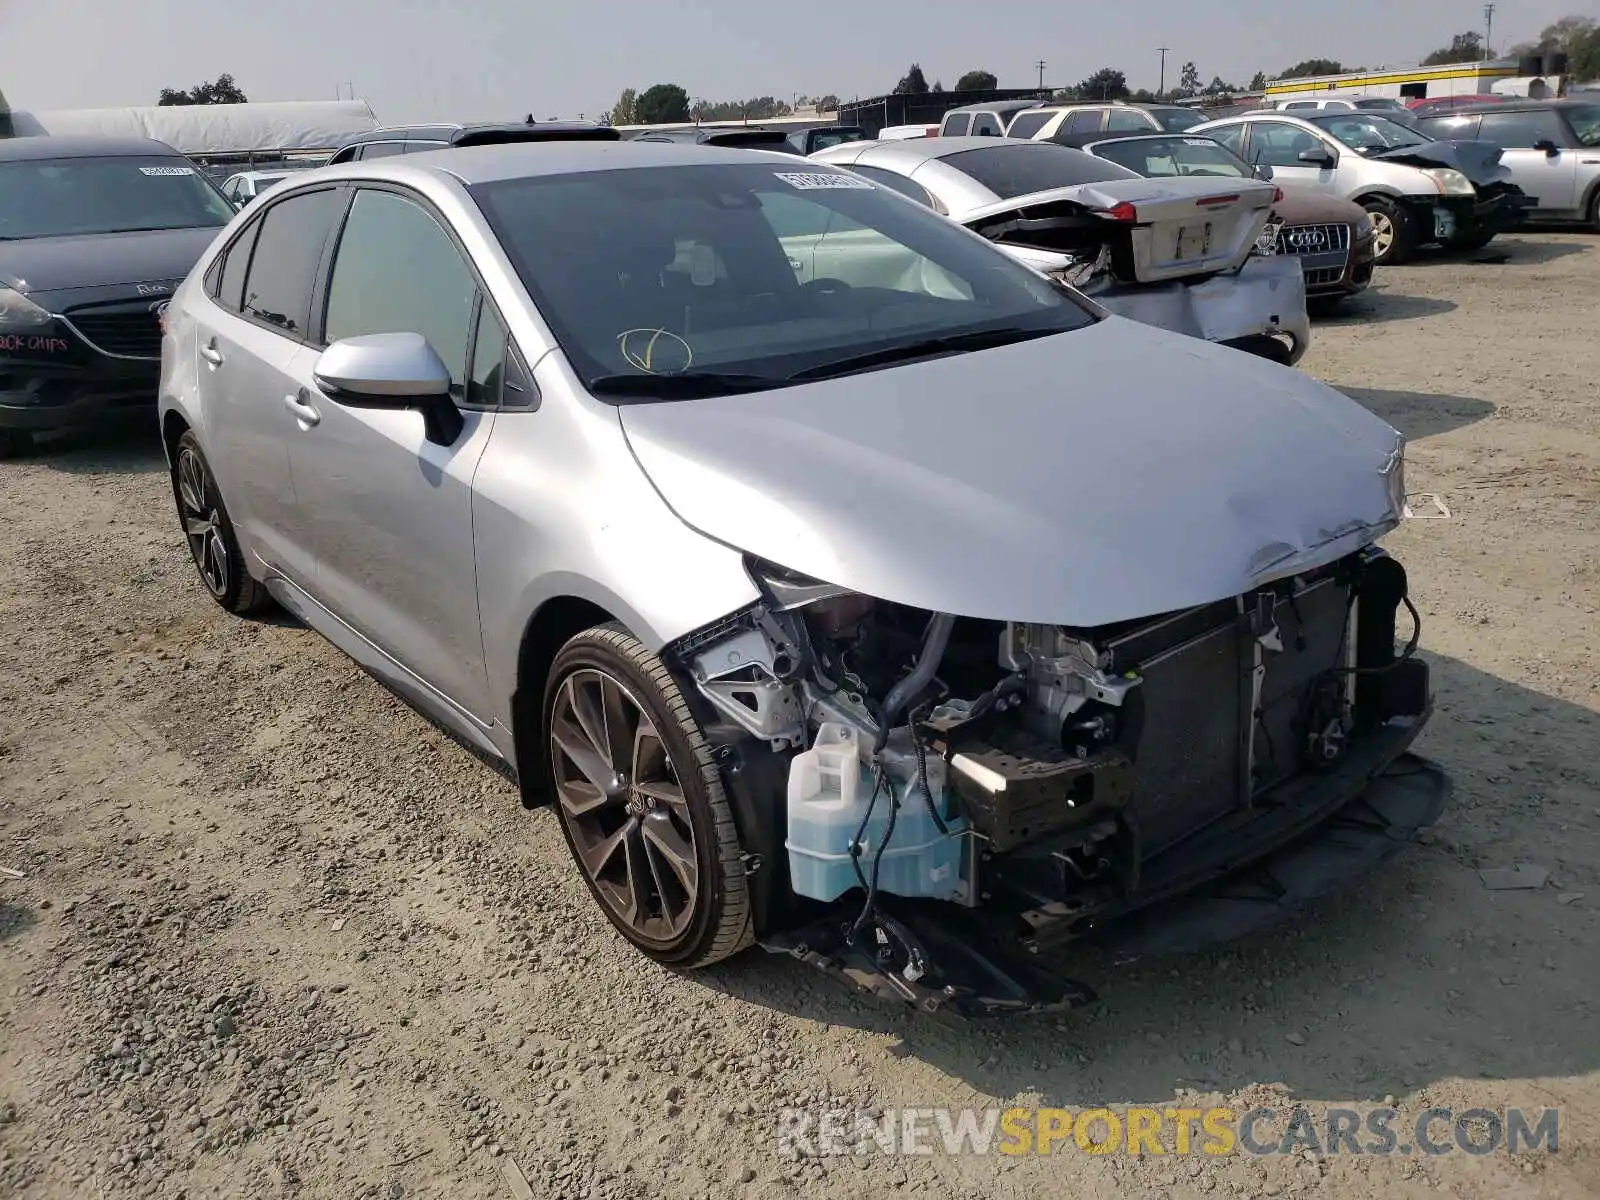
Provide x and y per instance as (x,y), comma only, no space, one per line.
(1444,223)
(1194,241)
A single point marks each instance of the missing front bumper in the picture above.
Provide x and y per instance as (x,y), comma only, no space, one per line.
(1239,880)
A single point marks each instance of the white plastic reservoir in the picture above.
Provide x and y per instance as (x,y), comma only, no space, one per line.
(830,786)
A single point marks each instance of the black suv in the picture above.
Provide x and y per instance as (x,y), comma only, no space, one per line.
(412,139)
(95,234)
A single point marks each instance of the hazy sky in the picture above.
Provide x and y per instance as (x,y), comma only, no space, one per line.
(487,59)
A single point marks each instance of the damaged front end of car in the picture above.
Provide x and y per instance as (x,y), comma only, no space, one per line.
(933,805)
(1164,253)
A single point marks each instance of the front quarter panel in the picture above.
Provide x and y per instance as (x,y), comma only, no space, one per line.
(561,509)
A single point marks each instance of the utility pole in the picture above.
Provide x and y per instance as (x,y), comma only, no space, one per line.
(1162,89)
(1488,31)
(1040,65)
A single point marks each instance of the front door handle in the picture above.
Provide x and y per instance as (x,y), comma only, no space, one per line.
(295,402)
(211,354)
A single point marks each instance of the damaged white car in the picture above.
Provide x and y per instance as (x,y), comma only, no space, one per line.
(914,626)
(1178,253)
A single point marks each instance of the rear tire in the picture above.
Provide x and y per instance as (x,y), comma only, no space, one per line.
(14,443)
(641,802)
(1594,210)
(204,520)
(1394,232)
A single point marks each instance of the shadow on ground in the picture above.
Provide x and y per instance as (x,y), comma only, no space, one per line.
(1375,307)
(1524,250)
(115,450)
(1519,250)
(15,920)
(1420,414)
(1418,974)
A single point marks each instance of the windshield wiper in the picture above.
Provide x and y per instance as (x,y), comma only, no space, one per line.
(955,343)
(688,385)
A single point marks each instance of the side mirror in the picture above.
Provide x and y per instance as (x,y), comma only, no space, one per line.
(392,370)
(1547,146)
(1262,171)
(1318,158)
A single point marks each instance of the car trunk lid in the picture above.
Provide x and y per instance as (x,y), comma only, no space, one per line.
(1157,229)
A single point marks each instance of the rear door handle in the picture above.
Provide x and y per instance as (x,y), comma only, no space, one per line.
(211,354)
(295,402)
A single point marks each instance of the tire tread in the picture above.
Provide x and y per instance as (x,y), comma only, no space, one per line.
(733,924)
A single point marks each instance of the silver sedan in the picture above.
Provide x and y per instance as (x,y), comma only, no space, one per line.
(797,544)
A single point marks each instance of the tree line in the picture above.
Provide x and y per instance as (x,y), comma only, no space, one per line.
(1577,37)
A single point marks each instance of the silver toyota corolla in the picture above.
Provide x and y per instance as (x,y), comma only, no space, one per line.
(850,588)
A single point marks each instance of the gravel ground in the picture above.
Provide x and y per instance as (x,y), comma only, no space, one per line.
(276,936)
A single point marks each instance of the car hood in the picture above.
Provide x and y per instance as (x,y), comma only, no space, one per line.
(1109,473)
(56,264)
(1478,161)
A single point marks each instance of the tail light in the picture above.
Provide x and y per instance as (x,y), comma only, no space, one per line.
(1208,201)
(1121,212)
(1277,195)
(161,318)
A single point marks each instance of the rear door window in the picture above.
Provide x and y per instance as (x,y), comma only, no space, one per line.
(1231,136)
(985,125)
(381,150)
(1085,120)
(1127,120)
(1445,129)
(235,265)
(283,266)
(1026,124)
(1520,130)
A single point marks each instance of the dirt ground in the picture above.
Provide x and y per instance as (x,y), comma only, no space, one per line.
(276,936)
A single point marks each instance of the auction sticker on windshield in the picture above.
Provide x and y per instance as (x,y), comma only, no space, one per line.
(821,181)
(166,170)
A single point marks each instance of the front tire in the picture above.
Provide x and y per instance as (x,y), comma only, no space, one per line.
(641,802)
(1394,232)
(209,532)
(1471,242)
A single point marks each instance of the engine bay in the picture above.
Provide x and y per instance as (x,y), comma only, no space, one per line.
(1044,778)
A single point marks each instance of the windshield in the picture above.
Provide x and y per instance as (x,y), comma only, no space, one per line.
(1367,134)
(62,197)
(1018,169)
(751,272)
(1164,156)
(1176,120)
